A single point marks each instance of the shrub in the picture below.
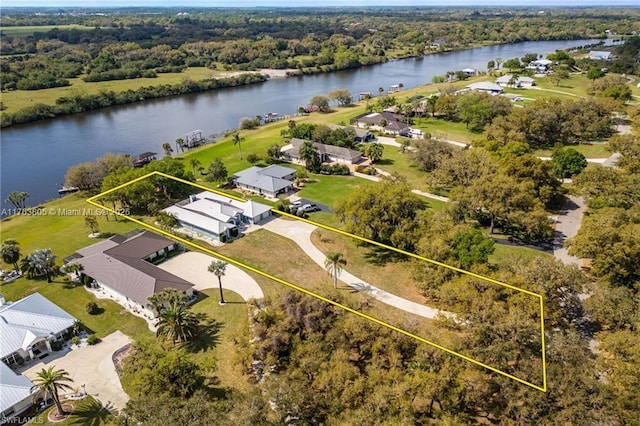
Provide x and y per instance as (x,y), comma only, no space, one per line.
(223,238)
(253,158)
(56,346)
(92,339)
(75,340)
(92,308)
(19,359)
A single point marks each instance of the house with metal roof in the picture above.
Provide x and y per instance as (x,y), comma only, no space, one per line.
(30,326)
(124,268)
(215,216)
(486,86)
(600,55)
(327,153)
(268,181)
(509,80)
(15,394)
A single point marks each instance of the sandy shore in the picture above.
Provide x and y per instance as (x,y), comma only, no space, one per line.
(272,73)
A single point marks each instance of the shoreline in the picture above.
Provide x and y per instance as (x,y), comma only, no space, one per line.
(42,111)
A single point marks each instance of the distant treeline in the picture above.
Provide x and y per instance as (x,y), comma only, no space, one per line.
(82,103)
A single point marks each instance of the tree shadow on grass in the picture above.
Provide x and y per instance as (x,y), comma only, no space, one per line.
(207,337)
(385,162)
(380,256)
(90,414)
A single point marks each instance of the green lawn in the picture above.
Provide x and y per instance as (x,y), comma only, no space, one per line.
(87,411)
(18,99)
(504,254)
(59,225)
(596,150)
(330,190)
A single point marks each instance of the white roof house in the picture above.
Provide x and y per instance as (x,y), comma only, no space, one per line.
(212,215)
(518,81)
(269,181)
(486,86)
(15,393)
(29,325)
(600,55)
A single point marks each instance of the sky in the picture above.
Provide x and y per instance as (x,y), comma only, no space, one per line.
(312,3)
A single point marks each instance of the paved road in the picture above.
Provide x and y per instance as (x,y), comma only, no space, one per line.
(93,367)
(300,233)
(192,266)
(568,223)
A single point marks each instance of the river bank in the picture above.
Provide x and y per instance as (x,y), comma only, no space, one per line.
(80,97)
(36,156)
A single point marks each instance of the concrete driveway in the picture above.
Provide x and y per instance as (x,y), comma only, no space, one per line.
(93,367)
(192,266)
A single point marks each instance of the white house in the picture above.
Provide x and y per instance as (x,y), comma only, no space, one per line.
(326,153)
(123,267)
(30,326)
(508,80)
(486,86)
(540,65)
(268,181)
(600,55)
(217,217)
(15,394)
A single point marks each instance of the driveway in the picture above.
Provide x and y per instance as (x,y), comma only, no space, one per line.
(303,201)
(93,367)
(300,233)
(568,223)
(192,266)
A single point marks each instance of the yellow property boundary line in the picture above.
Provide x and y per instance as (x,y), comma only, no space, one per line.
(542,388)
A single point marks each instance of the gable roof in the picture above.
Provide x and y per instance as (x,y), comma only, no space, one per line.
(505,79)
(13,387)
(486,86)
(123,268)
(323,149)
(264,178)
(599,54)
(360,133)
(28,319)
(248,208)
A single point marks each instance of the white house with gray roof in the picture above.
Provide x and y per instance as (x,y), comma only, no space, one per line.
(326,153)
(216,216)
(268,181)
(15,394)
(29,326)
(123,266)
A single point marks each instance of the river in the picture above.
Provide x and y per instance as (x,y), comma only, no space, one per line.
(35,157)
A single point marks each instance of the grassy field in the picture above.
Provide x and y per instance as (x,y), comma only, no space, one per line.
(28,30)
(86,411)
(18,99)
(598,150)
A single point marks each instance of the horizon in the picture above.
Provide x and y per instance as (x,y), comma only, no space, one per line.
(312,4)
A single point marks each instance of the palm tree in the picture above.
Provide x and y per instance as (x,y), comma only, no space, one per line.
(10,252)
(374,151)
(49,383)
(167,221)
(195,164)
(72,268)
(237,140)
(18,199)
(166,147)
(39,262)
(218,267)
(308,154)
(334,264)
(180,145)
(177,323)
